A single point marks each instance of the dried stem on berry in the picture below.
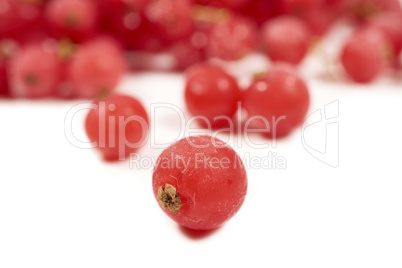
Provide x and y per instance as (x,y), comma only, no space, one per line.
(168,198)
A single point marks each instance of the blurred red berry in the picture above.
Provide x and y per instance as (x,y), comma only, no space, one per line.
(276,103)
(285,38)
(390,23)
(189,51)
(3,78)
(365,54)
(97,68)
(364,9)
(232,39)
(232,4)
(74,19)
(22,21)
(261,10)
(170,19)
(35,71)
(119,125)
(7,50)
(212,94)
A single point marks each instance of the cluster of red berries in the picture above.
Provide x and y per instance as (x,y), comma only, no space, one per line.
(76,40)
(78,49)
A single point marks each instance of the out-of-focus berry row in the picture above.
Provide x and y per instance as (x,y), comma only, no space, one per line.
(76,48)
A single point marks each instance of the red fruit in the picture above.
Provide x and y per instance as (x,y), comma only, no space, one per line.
(97,68)
(212,94)
(285,38)
(74,19)
(319,20)
(124,20)
(170,18)
(300,7)
(318,14)
(136,5)
(364,9)
(8,19)
(232,4)
(365,54)
(15,14)
(200,182)
(7,50)
(281,98)
(145,39)
(232,39)
(35,71)
(119,125)
(21,21)
(3,78)
(202,68)
(187,52)
(262,10)
(390,23)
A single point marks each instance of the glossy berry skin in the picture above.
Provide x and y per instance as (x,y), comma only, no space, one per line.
(210,93)
(205,193)
(232,39)
(74,19)
(35,71)
(119,125)
(170,18)
(364,55)
(286,39)
(97,68)
(281,98)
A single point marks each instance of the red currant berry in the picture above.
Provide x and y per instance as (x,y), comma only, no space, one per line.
(145,39)
(390,23)
(189,51)
(232,39)
(119,125)
(3,78)
(200,182)
(74,19)
(286,38)
(136,5)
(213,95)
(364,9)
(35,71)
(97,67)
(232,4)
(16,14)
(202,68)
(7,50)
(170,18)
(364,55)
(124,20)
(262,10)
(276,103)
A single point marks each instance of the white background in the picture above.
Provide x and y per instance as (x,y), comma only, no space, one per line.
(61,206)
